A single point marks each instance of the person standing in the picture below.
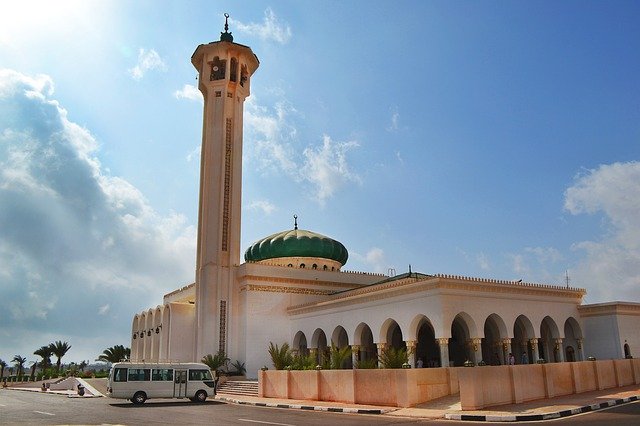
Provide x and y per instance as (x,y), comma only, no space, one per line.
(419,363)
(512,359)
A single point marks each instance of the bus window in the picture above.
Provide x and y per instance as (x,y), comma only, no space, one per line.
(161,375)
(120,375)
(199,375)
(139,374)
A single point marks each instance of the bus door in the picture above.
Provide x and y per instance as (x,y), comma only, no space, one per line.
(180,384)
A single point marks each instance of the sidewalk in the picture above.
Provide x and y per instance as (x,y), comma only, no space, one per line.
(449,407)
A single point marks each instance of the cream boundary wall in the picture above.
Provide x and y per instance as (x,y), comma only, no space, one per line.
(396,388)
(489,386)
(479,387)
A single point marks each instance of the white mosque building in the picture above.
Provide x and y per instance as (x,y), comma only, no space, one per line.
(291,286)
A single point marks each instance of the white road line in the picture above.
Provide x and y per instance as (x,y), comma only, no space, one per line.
(264,423)
(44,412)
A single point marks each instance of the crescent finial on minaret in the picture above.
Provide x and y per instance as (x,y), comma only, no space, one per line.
(226,35)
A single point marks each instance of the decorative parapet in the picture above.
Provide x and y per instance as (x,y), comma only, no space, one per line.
(513,283)
(610,308)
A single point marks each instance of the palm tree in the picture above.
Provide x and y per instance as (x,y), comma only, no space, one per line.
(280,356)
(3,365)
(215,362)
(59,349)
(45,353)
(115,354)
(19,363)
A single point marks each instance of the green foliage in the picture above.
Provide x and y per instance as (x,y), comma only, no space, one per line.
(45,353)
(280,356)
(216,362)
(3,365)
(393,358)
(302,362)
(114,354)
(240,369)
(19,362)
(367,364)
(59,349)
(339,357)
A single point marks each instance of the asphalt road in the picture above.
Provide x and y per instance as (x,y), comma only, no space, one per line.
(21,408)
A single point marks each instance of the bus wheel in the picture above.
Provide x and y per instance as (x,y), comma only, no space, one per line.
(139,398)
(201,396)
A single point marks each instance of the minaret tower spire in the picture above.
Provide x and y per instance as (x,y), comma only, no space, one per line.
(224,73)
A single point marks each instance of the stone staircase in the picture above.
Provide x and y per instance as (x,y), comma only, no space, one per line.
(238,387)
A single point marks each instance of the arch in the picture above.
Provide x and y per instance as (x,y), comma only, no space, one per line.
(135,341)
(495,330)
(463,329)
(427,349)
(570,354)
(391,334)
(340,340)
(363,338)
(319,343)
(166,328)
(523,331)
(627,351)
(300,344)
(547,348)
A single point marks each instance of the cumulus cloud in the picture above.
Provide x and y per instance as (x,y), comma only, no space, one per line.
(326,167)
(269,29)
(262,205)
(147,61)
(395,118)
(374,260)
(189,92)
(611,267)
(80,250)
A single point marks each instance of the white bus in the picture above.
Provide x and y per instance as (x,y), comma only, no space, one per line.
(138,382)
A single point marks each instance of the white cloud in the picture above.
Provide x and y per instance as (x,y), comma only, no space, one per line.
(265,206)
(483,261)
(194,154)
(611,268)
(147,61)
(326,167)
(270,29)
(71,234)
(189,92)
(374,260)
(395,117)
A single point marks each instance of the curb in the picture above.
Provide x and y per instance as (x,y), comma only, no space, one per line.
(306,407)
(547,416)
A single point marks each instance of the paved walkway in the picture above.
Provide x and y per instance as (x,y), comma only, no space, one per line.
(447,407)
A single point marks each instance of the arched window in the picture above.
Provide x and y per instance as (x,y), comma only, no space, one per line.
(333,268)
(302,265)
(244,75)
(314,266)
(218,68)
(234,70)
(627,351)
(324,268)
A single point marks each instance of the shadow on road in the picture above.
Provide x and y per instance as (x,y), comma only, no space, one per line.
(152,404)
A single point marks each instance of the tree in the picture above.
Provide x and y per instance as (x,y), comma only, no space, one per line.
(3,365)
(59,349)
(19,362)
(217,361)
(45,353)
(394,358)
(115,354)
(280,356)
(339,357)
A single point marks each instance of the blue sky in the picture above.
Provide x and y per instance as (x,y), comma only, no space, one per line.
(487,139)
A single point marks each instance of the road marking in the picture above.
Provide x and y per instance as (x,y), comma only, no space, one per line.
(44,412)
(264,423)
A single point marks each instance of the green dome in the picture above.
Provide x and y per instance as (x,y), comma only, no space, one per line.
(296,243)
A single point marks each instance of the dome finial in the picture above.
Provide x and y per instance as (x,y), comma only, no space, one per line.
(295,221)
(226,35)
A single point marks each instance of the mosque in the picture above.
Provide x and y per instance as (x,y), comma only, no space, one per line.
(292,288)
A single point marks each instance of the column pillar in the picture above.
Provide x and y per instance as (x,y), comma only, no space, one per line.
(476,348)
(534,349)
(443,342)
(560,350)
(411,352)
(355,355)
(381,347)
(506,350)
(580,349)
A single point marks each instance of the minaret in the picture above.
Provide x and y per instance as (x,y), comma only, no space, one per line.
(224,74)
